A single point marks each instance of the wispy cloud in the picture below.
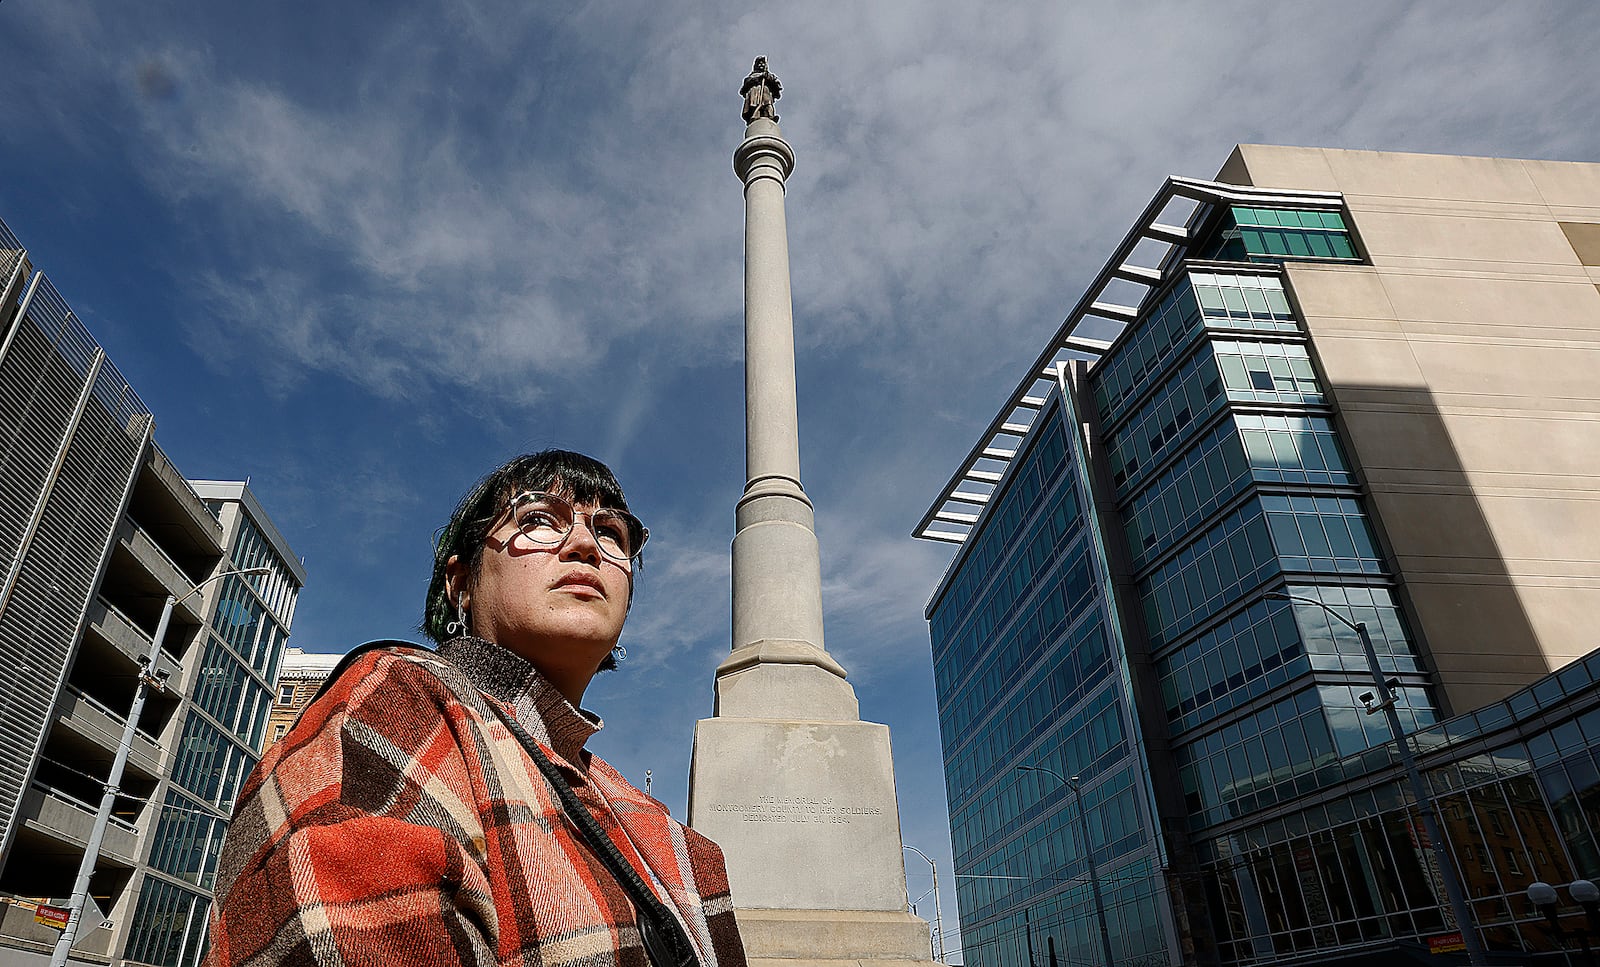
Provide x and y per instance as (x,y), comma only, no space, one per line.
(440,234)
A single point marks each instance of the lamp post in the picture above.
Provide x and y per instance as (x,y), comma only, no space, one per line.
(1544,897)
(1088,853)
(938,912)
(1419,791)
(149,679)
(1588,897)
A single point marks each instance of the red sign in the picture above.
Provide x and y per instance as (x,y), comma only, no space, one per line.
(52,916)
(1447,943)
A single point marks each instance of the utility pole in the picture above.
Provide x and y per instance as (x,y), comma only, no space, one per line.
(1088,853)
(1419,791)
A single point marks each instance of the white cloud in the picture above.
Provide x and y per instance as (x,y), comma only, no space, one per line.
(681,604)
(956,169)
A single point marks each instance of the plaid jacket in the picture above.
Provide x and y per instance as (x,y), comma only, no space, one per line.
(400,823)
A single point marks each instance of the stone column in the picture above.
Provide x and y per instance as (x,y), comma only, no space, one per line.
(777,569)
(797,790)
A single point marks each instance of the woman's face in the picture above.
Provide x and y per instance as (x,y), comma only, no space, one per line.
(560,607)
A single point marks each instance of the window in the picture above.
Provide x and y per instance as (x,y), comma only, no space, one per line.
(278,731)
(1269,234)
(1321,534)
(1512,864)
(286,693)
(1267,372)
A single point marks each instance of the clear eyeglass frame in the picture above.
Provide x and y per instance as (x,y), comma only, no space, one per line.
(546,519)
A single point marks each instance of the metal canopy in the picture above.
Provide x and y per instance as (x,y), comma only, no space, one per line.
(960,505)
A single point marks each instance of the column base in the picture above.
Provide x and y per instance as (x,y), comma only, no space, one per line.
(834,938)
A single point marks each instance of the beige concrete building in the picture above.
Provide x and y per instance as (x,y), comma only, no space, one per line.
(1320,441)
(1465,359)
(299,678)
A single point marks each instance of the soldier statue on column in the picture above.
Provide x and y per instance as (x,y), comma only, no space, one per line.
(761,91)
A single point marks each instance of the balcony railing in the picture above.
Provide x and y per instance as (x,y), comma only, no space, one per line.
(185,582)
(120,718)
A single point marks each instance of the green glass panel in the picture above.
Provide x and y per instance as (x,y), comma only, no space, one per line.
(1234,300)
(1276,301)
(1310,453)
(1209,297)
(1339,537)
(1283,449)
(1256,302)
(1272,244)
(1256,445)
(1244,216)
(1312,533)
(1233,372)
(1341,247)
(1333,220)
(1297,244)
(1319,245)
(1251,239)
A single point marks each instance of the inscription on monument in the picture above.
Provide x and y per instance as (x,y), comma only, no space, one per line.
(796,809)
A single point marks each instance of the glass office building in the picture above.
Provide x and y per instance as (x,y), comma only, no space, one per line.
(1238,433)
(222,732)
(1032,673)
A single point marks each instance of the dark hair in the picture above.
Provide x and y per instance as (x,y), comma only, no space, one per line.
(583,479)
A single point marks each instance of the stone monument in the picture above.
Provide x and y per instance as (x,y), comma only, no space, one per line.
(797,789)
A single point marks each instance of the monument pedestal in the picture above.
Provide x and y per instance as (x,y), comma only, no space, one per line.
(806,815)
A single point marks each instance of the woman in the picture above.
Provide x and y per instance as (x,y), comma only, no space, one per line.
(439,807)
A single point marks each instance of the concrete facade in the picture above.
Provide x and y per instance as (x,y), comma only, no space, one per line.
(1464,359)
(97,529)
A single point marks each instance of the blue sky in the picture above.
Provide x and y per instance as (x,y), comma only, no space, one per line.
(363,252)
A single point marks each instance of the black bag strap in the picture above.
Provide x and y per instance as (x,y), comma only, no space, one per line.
(664,939)
(665,942)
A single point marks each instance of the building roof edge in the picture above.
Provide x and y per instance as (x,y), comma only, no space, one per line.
(985,464)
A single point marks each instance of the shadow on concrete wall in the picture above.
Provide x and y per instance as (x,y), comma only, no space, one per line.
(1457,592)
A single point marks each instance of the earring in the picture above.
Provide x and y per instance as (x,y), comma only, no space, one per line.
(621,651)
(457,627)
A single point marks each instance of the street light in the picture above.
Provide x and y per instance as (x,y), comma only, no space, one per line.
(1088,852)
(1543,896)
(938,913)
(149,678)
(1430,819)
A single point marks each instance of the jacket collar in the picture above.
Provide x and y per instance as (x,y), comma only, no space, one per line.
(535,703)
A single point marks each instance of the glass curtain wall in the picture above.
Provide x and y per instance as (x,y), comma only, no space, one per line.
(1028,669)
(230,699)
(1517,804)
(1231,480)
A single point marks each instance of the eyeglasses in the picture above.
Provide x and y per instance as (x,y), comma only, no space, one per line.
(547,519)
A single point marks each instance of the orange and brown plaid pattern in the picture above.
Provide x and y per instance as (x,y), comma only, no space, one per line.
(399,822)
